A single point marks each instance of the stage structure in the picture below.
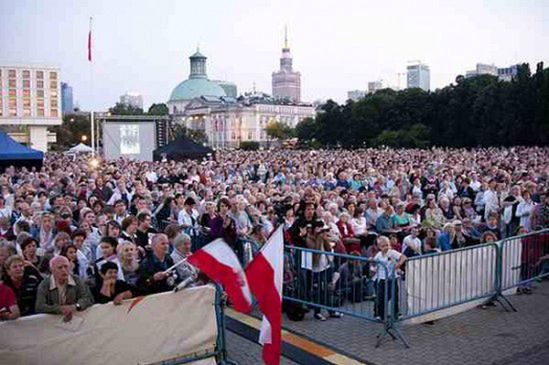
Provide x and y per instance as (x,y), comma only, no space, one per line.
(133,136)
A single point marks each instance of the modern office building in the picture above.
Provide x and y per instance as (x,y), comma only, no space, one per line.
(132,99)
(374,86)
(286,82)
(30,99)
(508,73)
(66,98)
(482,69)
(356,95)
(418,75)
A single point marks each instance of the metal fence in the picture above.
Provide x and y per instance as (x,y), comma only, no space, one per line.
(348,284)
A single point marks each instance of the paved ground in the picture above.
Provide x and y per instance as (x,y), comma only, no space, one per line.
(490,336)
(245,352)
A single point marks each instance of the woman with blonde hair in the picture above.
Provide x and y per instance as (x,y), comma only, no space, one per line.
(128,257)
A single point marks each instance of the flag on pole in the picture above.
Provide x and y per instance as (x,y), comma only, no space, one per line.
(265,274)
(219,262)
(90,42)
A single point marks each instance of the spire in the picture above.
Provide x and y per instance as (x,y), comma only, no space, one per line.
(286,37)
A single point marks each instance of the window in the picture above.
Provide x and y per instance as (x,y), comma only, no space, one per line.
(53,84)
(12,74)
(12,83)
(40,84)
(40,75)
(53,75)
(26,83)
(40,112)
(40,93)
(26,74)
(53,113)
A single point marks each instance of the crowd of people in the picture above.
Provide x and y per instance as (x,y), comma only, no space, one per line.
(74,233)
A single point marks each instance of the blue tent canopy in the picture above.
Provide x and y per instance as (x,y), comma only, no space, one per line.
(10,150)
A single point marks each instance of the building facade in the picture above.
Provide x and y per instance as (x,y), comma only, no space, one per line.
(30,97)
(374,86)
(286,83)
(418,76)
(508,73)
(482,69)
(356,95)
(66,98)
(132,99)
(227,122)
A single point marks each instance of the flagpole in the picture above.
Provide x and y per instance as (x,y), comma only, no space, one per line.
(92,119)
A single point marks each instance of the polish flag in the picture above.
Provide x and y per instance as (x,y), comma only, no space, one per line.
(219,262)
(264,274)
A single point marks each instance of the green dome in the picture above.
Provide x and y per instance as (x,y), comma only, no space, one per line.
(195,88)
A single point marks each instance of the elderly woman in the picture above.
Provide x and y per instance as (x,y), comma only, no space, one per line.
(61,240)
(187,272)
(128,257)
(110,288)
(23,279)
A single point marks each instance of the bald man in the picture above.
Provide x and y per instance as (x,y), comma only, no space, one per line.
(62,292)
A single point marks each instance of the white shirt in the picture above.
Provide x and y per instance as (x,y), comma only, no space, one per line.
(185,218)
(359,225)
(413,242)
(524,210)
(390,260)
(491,202)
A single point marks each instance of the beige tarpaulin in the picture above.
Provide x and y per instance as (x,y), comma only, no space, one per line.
(155,328)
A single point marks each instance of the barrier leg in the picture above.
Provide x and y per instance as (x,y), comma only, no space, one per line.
(221,341)
(502,300)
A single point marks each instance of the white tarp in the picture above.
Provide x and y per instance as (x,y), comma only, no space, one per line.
(436,281)
(156,328)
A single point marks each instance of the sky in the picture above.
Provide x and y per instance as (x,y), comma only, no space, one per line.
(143,46)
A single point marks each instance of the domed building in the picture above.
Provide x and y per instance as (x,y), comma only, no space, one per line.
(196,86)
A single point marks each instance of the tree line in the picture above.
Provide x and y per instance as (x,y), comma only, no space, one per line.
(476,111)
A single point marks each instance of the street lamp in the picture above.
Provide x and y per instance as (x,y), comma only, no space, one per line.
(84,138)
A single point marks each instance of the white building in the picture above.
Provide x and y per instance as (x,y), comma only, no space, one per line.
(356,95)
(30,96)
(374,86)
(227,121)
(482,69)
(418,75)
(132,99)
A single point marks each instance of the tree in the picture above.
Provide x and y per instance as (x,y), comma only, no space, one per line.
(125,109)
(158,109)
(249,145)
(72,129)
(278,130)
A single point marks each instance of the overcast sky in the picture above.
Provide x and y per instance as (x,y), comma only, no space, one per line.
(337,46)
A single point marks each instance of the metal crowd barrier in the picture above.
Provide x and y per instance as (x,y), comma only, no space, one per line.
(430,283)
(524,259)
(447,279)
(340,283)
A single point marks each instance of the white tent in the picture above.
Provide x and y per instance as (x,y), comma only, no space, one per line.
(80,148)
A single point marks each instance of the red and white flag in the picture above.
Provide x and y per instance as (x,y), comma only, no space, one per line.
(265,274)
(219,262)
(90,42)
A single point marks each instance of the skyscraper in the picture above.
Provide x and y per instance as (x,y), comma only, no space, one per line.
(286,82)
(418,75)
(67,105)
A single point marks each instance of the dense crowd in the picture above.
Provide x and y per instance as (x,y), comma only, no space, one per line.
(76,233)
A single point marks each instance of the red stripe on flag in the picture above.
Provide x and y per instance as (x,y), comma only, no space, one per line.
(224,275)
(261,280)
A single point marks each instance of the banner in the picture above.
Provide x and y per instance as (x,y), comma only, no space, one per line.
(454,277)
(140,331)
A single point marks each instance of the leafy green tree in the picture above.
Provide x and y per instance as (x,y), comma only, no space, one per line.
(158,109)
(125,109)
(73,129)
(278,130)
